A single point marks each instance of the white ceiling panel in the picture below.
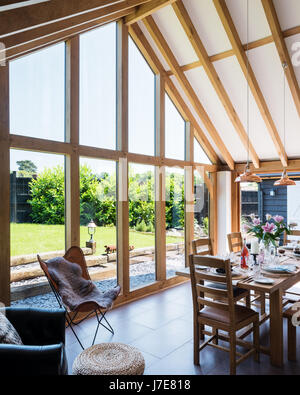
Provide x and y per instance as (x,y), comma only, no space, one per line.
(208,24)
(175,36)
(153,45)
(235,84)
(269,73)
(293,46)
(216,112)
(288,12)
(183,95)
(258,24)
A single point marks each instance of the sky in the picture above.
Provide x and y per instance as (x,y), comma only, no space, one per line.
(37,107)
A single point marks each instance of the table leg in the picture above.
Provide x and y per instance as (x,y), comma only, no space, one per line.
(276,328)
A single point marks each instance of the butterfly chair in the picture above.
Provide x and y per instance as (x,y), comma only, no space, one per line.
(224,315)
(86,308)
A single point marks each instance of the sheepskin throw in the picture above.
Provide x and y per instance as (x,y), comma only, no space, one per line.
(74,289)
(8,334)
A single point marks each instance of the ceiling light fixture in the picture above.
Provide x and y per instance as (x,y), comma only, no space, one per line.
(248,176)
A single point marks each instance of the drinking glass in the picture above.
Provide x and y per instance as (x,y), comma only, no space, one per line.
(272,254)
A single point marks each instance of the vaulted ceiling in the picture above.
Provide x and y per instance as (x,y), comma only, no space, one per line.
(201,49)
(202,45)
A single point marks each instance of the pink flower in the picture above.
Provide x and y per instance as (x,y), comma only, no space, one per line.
(278,218)
(269,228)
(252,216)
(245,228)
(256,221)
(268,217)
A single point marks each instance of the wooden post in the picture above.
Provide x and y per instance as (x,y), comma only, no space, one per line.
(160,204)
(213,212)
(122,171)
(4,187)
(189,191)
(235,203)
(72,182)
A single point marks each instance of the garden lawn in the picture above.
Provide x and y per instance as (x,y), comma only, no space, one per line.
(36,238)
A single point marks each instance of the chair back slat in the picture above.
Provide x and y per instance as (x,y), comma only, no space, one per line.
(207,294)
(235,241)
(212,303)
(202,246)
(210,261)
(293,233)
(207,276)
(223,293)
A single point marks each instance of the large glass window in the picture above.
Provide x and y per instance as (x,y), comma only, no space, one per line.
(37,94)
(199,155)
(174,131)
(142,225)
(37,202)
(37,216)
(175,220)
(141,103)
(98,204)
(201,207)
(98,87)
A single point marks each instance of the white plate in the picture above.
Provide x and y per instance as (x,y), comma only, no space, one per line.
(296,255)
(279,268)
(264,280)
(288,247)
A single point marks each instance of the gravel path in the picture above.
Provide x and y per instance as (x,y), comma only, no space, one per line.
(141,274)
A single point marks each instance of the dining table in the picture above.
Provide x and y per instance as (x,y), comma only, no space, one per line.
(275,291)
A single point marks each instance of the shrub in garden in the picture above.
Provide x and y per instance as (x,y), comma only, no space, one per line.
(47,202)
(98,199)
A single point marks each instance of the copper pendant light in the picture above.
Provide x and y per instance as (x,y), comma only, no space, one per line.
(248,176)
(284,180)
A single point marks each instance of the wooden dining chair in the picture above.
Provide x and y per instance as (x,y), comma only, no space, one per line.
(235,241)
(288,237)
(202,246)
(225,315)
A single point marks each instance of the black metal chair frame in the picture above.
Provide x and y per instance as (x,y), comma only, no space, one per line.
(70,320)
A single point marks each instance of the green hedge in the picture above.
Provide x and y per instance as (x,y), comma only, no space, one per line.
(98,198)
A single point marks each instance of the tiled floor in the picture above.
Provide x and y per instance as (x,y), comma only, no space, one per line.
(161,327)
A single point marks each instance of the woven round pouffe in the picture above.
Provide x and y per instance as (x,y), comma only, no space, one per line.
(109,359)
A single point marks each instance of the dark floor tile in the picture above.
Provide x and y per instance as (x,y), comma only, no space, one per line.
(161,327)
(165,339)
(159,316)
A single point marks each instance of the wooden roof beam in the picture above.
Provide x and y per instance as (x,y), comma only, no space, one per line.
(282,50)
(149,54)
(249,74)
(200,50)
(35,15)
(252,45)
(274,166)
(146,9)
(187,88)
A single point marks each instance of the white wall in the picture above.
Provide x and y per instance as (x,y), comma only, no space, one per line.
(224,209)
(293,204)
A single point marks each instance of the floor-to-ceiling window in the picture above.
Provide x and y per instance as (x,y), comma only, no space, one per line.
(54,152)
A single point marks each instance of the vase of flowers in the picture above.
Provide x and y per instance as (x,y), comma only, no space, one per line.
(268,232)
